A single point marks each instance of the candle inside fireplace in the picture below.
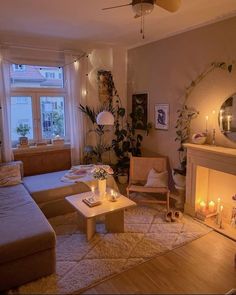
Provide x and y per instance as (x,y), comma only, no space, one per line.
(202,206)
(218,205)
(211,206)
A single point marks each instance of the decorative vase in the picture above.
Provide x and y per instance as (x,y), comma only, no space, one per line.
(102,188)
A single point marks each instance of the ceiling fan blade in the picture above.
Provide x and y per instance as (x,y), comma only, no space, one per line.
(112,7)
(170,5)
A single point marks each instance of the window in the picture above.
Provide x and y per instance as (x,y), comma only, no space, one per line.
(52,116)
(30,76)
(21,113)
(42,108)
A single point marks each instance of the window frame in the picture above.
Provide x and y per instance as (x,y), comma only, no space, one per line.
(35,93)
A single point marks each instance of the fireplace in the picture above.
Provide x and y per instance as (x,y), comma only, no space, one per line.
(210,185)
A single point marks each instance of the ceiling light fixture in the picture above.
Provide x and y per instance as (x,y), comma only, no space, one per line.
(144,7)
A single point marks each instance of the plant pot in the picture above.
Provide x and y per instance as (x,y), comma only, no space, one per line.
(122,178)
(179,179)
(23,141)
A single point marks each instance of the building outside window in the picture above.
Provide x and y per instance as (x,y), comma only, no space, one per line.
(38,99)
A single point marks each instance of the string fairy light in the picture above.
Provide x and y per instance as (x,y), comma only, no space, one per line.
(75,60)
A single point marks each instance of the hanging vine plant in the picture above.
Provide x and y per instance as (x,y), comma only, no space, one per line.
(186,114)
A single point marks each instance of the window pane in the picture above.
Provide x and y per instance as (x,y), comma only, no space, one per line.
(36,76)
(21,115)
(52,116)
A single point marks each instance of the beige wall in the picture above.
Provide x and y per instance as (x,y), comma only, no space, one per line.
(166,67)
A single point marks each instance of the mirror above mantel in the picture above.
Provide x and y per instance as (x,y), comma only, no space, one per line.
(227,118)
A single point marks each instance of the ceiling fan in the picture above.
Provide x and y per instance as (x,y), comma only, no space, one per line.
(144,7)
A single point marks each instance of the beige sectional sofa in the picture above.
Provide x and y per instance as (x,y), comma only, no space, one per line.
(27,240)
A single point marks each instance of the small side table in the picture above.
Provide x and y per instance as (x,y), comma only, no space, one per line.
(113,211)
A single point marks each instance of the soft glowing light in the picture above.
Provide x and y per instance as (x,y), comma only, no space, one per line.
(84,92)
(202,206)
(211,206)
(93,189)
(76,65)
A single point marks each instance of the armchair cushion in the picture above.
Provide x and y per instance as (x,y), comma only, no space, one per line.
(156,179)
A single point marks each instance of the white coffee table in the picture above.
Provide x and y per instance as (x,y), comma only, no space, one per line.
(113,211)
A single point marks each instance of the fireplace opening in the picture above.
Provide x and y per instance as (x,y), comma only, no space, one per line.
(215,200)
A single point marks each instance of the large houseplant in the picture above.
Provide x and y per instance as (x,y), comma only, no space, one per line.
(126,142)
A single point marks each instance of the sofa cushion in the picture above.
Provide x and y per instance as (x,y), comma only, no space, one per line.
(10,175)
(24,230)
(49,187)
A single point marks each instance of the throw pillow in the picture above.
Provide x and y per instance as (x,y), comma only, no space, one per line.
(10,175)
(156,179)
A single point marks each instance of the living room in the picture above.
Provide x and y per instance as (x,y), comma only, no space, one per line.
(136,117)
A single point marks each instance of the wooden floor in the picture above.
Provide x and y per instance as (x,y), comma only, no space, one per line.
(204,266)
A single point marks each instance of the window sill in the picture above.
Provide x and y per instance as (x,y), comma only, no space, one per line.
(43,148)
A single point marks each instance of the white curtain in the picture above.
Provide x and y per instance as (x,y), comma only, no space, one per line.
(6,148)
(75,73)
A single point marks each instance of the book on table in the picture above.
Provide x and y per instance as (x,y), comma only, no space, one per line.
(91,201)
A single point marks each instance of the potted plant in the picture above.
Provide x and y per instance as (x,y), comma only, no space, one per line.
(23,130)
(126,143)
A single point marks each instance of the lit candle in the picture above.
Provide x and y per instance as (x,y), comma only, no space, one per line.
(112,192)
(207,122)
(218,205)
(211,206)
(221,119)
(202,206)
(213,119)
(93,189)
(219,217)
(228,122)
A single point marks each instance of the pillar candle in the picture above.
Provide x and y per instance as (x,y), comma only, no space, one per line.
(207,122)
(93,189)
(214,119)
(228,122)
(211,206)
(218,205)
(202,206)
(221,120)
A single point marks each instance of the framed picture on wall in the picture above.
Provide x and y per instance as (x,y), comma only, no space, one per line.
(162,116)
(140,110)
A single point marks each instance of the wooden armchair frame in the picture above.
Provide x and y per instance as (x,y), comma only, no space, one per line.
(139,169)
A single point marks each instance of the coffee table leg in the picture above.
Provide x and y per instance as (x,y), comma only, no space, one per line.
(115,222)
(90,227)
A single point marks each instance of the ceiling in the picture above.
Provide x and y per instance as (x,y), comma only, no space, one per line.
(84,21)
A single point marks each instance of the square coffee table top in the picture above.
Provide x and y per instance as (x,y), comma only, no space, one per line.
(105,207)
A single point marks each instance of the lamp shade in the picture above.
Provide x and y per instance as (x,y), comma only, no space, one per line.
(105,118)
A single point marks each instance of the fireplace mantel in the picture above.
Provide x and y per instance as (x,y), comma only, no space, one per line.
(213,157)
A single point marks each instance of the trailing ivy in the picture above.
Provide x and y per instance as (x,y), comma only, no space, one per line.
(186,114)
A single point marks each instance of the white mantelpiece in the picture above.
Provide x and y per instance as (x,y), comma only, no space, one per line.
(211,157)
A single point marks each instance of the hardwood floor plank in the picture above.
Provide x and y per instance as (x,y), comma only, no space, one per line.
(205,265)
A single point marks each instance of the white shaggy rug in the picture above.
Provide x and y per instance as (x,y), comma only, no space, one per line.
(81,264)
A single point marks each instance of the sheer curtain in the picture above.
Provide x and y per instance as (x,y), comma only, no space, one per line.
(6,148)
(75,73)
